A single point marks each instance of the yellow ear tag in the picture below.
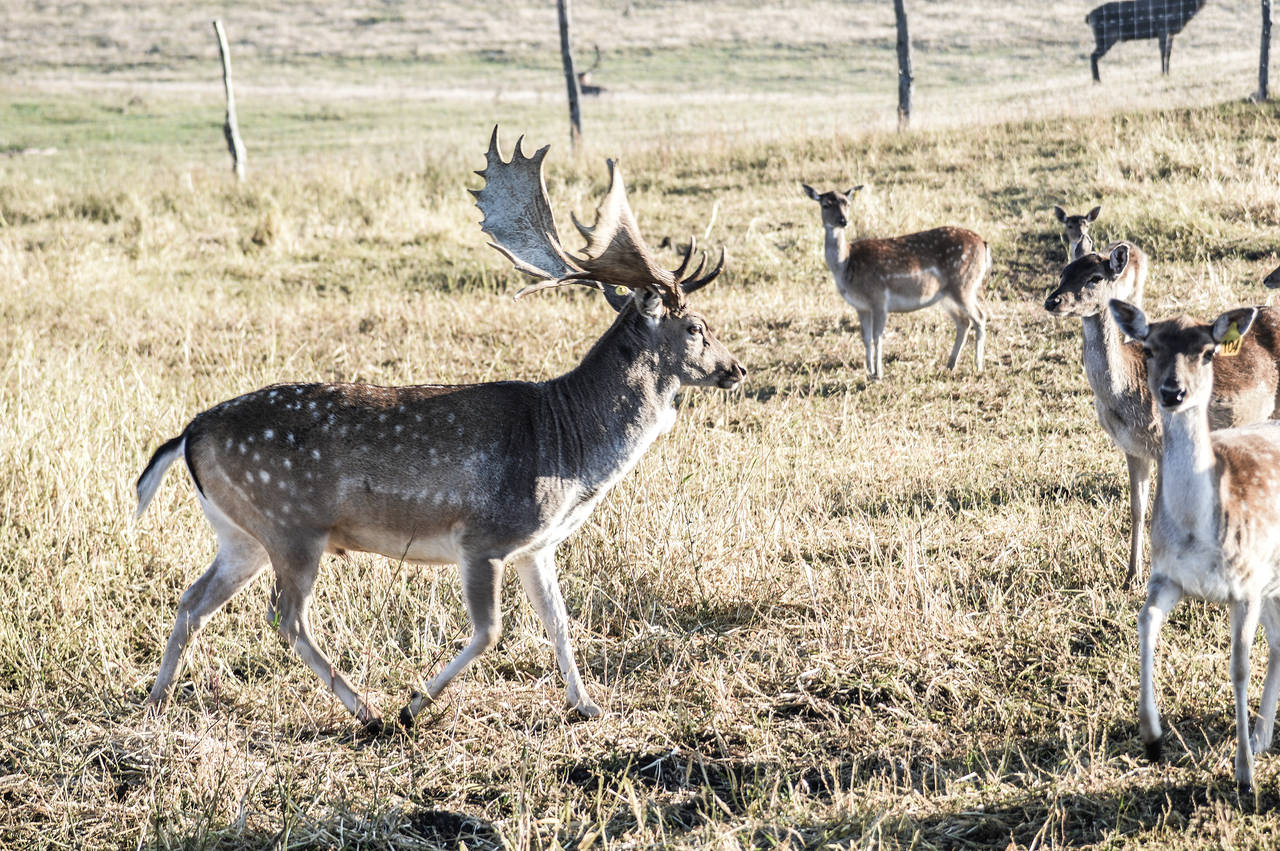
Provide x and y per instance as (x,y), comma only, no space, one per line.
(624,291)
(1231,341)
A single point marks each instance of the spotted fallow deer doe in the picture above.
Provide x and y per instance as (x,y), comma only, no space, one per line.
(1215,532)
(482,475)
(1246,388)
(904,273)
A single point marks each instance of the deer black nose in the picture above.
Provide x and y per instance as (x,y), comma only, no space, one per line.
(1171,397)
(1051,303)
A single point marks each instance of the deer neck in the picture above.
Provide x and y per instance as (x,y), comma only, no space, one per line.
(1187,493)
(836,251)
(1110,372)
(1081,247)
(600,417)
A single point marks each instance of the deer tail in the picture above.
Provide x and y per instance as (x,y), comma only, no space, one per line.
(149,481)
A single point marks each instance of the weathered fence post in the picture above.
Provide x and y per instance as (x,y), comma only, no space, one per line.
(230,128)
(1264,59)
(904,65)
(570,77)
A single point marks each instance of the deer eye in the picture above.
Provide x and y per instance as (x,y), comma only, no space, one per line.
(695,330)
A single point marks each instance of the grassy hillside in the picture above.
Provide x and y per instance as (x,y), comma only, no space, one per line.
(819,610)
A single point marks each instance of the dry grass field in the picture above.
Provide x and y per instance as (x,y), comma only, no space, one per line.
(820,612)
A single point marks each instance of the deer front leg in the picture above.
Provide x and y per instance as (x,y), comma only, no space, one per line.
(538,577)
(1166,48)
(481,581)
(1139,491)
(1266,722)
(867,328)
(1162,596)
(879,317)
(1244,624)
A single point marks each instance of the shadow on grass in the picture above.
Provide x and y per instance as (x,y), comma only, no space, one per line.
(1096,491)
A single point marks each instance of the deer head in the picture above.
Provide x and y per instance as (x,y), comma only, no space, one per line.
(835,205)
(1180,351)
(1077,227)
(1087,285)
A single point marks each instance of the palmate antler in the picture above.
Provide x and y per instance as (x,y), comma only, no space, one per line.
(518,218)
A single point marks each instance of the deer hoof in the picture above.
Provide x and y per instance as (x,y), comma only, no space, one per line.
(587,709)
(1155,750)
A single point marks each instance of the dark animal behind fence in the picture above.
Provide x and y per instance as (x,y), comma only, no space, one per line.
(1139,19)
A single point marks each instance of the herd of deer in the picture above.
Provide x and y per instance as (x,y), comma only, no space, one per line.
(500,473)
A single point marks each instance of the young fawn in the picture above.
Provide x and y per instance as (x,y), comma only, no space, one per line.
(1215,533)
(900,274)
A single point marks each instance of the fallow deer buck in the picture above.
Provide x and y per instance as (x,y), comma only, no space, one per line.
(1131,20)
(1246,388)
(1077,227)
(904,273)
(481,475)
(1215,532)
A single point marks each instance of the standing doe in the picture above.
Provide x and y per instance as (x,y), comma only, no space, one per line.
(481,475)
(905,273)
(1215,533)
(1246,388)
(1138,19)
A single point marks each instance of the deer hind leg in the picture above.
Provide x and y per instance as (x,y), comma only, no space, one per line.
(481,585)
(1162,596)
(240,558)
(1265,724)
(289,612)
(1244,625)
(538,577)
(966,316)
(1139,491)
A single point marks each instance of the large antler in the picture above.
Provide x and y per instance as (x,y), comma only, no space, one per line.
(517,216)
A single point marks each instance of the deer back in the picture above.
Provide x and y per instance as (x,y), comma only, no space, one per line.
(917,268)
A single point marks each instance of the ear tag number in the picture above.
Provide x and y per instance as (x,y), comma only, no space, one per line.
(1231,341)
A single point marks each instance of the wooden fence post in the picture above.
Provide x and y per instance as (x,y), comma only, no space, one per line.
(230,129)
(1264,58)
(904,65)
(570,77)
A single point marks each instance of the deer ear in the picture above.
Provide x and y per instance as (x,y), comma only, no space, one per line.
(810,191)
(1241,319)
(1118,261)
(1131,319)
(854,191)
(1060,213)
(1093,214)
